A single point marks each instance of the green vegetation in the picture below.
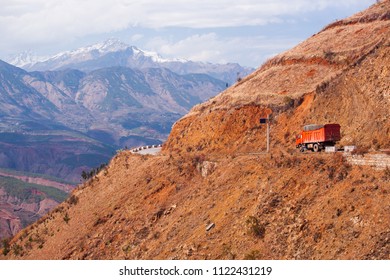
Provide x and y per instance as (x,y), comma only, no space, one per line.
(35,175)
(94,171)
(25,191)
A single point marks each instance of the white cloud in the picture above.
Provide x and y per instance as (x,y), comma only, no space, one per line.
(249,51)
(205,47)
(78,18)
(31,24)
(136,37)
(227,13)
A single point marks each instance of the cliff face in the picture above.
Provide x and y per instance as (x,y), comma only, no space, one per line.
(209,195)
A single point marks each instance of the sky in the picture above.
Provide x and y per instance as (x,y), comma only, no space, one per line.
(247,32)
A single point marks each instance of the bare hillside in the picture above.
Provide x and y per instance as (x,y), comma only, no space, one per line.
(212,194)
(340,74)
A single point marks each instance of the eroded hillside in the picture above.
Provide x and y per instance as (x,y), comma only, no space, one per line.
(270,207)
(340,74)
(211,195)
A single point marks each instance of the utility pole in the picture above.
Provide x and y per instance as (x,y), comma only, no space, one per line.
(267,134)
(266,121)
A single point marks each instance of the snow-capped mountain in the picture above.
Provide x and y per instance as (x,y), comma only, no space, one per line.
(30,61)
(113,53)
(25,58)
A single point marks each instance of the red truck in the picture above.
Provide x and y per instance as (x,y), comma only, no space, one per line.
(316,137)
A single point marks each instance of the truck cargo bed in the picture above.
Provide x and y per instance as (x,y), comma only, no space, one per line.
(328,133)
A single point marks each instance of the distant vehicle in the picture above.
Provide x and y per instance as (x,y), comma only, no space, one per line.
(316,137)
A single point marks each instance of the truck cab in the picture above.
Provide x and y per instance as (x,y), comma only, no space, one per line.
(298,139)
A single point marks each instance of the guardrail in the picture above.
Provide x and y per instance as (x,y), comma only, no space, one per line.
(136,150)
(379,161)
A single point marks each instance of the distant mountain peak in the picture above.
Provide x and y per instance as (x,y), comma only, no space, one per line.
(110,45)
(25,58)
(154,56)
(29,60)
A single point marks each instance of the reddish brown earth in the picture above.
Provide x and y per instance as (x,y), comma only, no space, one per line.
(282,205)
(16,213)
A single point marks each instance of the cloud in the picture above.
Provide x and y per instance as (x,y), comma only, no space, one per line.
(227,13)
(192,48)
(77,18)
(136,37)
(33,24)
(247,50)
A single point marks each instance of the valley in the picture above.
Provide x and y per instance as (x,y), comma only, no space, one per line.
(24,198)
(69,118)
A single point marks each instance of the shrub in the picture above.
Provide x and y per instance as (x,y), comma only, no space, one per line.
(100,221)
(329,55)
(255,228)
(375,144)
(6,246)
(322,87)
(94,171)
(198,159)
(73,200)
(17,249)
(331,172)
(288,102)
(287,136)
(228,252)
(28,245)
(253,255)
(66,218)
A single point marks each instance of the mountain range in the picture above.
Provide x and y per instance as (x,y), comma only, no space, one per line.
(113,52)
(103,97)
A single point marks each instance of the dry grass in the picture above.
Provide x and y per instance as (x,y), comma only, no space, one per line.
(252,200)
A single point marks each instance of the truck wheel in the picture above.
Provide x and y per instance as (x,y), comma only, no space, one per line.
(315,148)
